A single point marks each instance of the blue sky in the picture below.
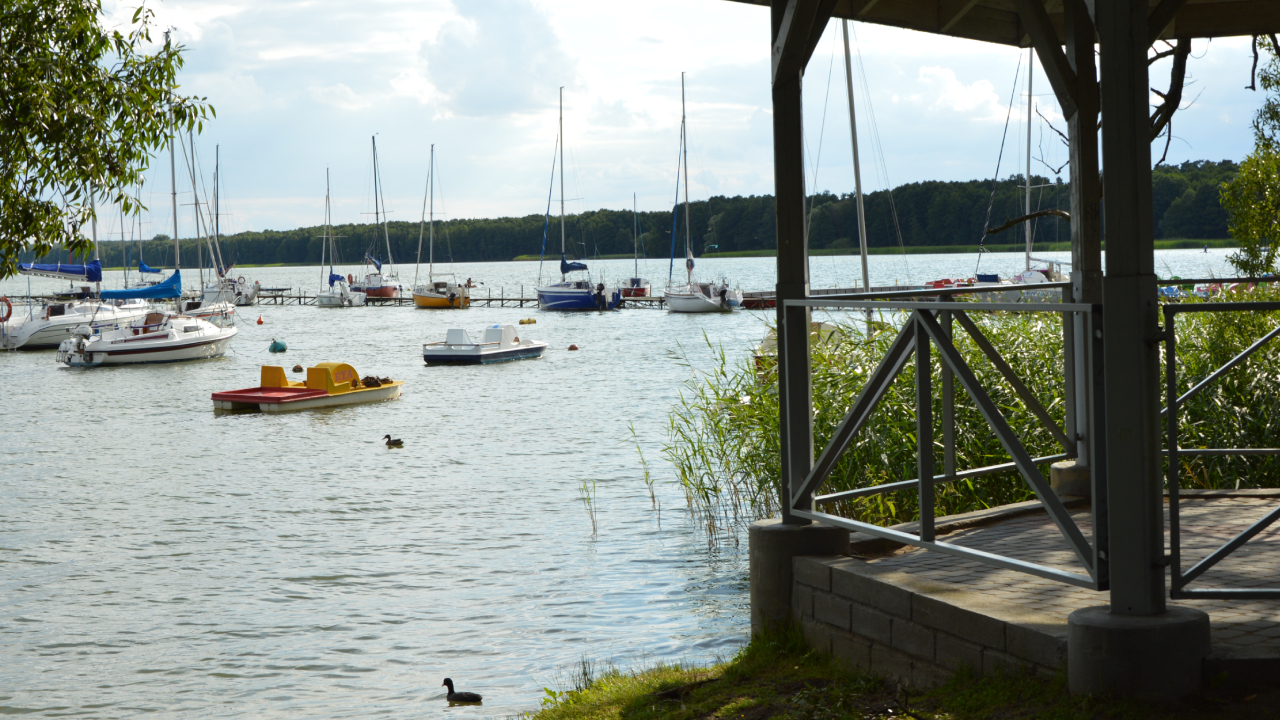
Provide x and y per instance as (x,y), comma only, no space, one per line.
(301,86)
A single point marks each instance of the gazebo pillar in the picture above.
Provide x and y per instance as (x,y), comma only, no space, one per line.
(1136,645)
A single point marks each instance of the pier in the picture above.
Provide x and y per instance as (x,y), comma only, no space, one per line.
(504,297)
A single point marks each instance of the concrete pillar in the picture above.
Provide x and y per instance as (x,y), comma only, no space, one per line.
(1154,656)
(771,546)
(1070,478)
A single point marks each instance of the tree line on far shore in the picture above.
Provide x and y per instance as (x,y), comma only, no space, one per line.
(925,214)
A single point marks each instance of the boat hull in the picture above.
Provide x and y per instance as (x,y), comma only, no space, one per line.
(208,345)
(383,291)
(452,357)
(357,397)
(351,299)
(576,299)
(431,300)
(39,333)
(693,303)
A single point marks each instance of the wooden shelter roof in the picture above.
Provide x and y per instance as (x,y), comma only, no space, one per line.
(998,21)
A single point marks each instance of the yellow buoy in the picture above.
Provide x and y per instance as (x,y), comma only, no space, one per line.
(528,321)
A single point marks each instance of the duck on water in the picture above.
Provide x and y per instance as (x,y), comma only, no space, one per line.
(463,697)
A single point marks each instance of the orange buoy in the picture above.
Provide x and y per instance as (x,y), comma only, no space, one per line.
(259,319)
(573,347)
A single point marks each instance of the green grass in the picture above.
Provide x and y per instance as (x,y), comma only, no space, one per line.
(779,677)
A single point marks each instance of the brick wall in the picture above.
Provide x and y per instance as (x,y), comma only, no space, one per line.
(914,630)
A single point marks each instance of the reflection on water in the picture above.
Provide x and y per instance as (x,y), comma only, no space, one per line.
(155,556)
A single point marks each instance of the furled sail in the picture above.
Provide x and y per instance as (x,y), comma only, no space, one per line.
(376,262)
(91,272)
(334,277)
(170,288)
(144,268)
(568,267)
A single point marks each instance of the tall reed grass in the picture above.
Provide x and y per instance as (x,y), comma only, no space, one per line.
(723,432)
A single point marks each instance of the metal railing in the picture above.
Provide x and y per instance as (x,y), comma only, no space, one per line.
(1179,578)
(929,326)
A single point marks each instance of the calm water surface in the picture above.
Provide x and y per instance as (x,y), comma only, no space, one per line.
(156,557)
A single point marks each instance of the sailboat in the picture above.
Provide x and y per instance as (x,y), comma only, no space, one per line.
(51,323)
(158,336)
(378,283)
(214,302)
(693,296)
(222,288)
(446,292)
(336,293)
(573,294)
(636,286)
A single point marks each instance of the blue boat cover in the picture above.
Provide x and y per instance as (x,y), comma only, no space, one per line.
(334,277)
(91,272)
(982,277)
(376,262)
(568,267)
(143,268)
(170,288)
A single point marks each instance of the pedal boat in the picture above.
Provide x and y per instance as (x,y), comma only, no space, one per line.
(498,344)
(327,385)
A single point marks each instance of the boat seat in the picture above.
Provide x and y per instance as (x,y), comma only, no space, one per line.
(457,336)
(331,377)
(496,333)
(273,376)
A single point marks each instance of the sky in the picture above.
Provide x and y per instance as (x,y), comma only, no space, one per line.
(301,87)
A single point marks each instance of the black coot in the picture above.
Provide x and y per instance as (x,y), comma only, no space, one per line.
(454,696)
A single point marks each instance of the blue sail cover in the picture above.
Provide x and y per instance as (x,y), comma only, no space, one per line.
(376,262)
(143,268)
(170,288)
(333,277)
(568,267)
(91,272)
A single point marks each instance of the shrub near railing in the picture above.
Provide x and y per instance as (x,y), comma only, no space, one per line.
(723,432)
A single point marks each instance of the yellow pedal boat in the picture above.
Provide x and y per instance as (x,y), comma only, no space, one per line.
(327,385)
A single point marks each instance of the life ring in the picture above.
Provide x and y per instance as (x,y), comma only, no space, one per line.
(350,280)
(240,280)
(8,309)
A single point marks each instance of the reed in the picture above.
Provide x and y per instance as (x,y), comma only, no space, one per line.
(587,494)
(723,431)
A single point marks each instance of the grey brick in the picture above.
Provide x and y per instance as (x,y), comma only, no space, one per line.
(1036,646)
(974,627)
(870,623)
(855,651)
(890,663)
(832,610)
(801,601)
(994,661)
(954,653)
(817,636)
(811,571)
(868,590)
(925,675)
(915,640)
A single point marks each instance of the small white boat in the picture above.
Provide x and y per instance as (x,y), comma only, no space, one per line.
(157,338)
(499,343)
(46,326)
(696,297)
(339,296)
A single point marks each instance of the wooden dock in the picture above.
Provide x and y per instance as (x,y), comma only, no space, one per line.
(483,297)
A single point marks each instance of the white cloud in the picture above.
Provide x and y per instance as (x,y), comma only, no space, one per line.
(339,96)
(977,99)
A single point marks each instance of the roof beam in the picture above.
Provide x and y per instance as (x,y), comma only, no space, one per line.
(798,34)
(1045,40)
(1160,18)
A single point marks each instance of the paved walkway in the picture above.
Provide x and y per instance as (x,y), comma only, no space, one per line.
(1249,628)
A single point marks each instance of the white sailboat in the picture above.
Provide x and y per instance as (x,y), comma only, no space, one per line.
(693,296)
(213,302)
(445,292)
(378,283)
(636,286)
(336,293)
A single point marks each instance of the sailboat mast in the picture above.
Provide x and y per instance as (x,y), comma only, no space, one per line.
(431,222)
(195,207)
(562,181)
(857,166)
(93,205)
(377,191)
(684,133)
(325,240)
(635,236)
(173,186)
(1031,67)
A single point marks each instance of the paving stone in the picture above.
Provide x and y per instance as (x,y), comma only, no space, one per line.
(811,571)
(1036,646)
(801,601)
(914,639)
(871,623)
(953,653)
(832,610)
(871,591)
(942,615)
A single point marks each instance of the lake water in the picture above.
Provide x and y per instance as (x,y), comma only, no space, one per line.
(156,557)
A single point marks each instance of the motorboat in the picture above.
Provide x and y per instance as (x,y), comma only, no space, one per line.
(218,312)
(441,289)
(499,343)
(47,325)
(571,294)
(158,337)
(327,385)
(700,297)
(693,296)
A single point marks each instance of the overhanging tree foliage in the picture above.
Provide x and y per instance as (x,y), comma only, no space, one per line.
(1252,198)
(81,110)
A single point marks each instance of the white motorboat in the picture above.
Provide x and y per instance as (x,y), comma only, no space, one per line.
(338,292)
(45,326)
(158,337)
(696,297)
(499,343)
